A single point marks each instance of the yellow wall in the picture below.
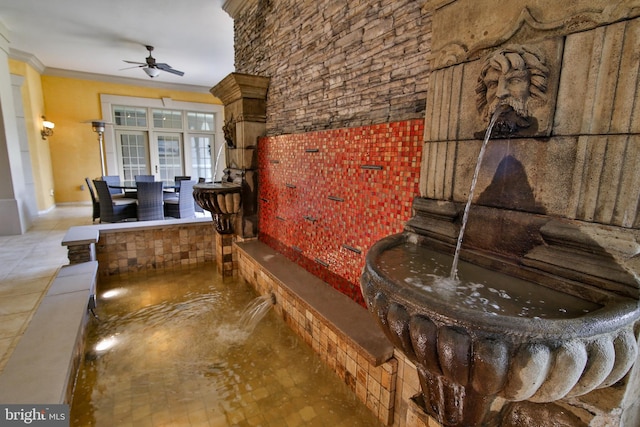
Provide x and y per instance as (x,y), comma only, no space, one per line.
(70,103)
(61,163)
(34,109)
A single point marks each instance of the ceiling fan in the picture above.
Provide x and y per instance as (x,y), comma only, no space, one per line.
(153,68)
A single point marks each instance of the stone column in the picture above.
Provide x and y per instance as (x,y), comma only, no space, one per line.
(244,97)
(226,256)
(14,200)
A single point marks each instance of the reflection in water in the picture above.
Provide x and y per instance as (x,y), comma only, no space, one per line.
(171,351)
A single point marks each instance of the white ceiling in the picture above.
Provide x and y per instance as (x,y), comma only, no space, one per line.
(95,36)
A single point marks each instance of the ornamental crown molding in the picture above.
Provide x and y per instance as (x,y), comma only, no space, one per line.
(27,58)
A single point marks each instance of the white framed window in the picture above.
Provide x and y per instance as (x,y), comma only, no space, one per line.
(167,119)
(178,138)
(130,116)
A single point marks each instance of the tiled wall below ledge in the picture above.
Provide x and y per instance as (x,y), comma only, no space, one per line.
(373,385)
(128,248)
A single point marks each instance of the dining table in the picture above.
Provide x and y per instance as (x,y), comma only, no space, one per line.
(130,190)
(133,186)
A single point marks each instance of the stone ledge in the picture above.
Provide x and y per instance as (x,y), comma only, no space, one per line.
(43,366)
(87,234)
(343,314)
(81,235)
(81,243)
(147,225)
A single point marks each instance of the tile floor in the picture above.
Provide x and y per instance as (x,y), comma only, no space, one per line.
(28,264)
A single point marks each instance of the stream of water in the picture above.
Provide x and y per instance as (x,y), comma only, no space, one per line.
(215,165)
(255,312)
(454,266)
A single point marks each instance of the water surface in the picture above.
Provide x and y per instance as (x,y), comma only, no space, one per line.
(477,288)
(169,350)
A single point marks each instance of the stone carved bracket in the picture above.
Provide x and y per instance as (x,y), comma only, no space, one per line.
(436,221)
(526,26)
(229,130)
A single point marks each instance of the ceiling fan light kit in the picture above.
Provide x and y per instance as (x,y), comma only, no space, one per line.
(151,72)
(153,68)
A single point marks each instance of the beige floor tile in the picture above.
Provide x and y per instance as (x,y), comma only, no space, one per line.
(20,303)
(22,271)
(6,344)
(23,286)
(28,264)
(12,325)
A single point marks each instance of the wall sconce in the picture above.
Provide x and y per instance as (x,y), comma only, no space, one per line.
(47,128)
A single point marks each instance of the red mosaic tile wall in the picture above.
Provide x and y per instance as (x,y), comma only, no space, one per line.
(325,197)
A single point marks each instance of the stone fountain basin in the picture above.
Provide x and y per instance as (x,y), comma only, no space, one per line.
(498,334)
(218,197)
(222,199)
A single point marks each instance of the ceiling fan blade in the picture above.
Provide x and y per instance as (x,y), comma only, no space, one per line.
(134,62)
(128,68)
(167,68)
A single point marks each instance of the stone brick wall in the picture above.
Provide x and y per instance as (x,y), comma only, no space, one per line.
(130,247)
(336,64)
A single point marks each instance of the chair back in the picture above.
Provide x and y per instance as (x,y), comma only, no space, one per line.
(186,201)
(111,211)
(150,204)
(178,179)
(196,206)
(94,200)
(185,206)
(145,178)
(112,180)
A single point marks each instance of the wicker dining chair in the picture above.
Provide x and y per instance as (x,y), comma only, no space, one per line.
(150,204)
(183,206)
(196,206)
(113,180)
(94,200)
(144,178)
(178,180)
(113,209)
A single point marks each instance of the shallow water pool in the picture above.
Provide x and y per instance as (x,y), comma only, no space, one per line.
(169,350)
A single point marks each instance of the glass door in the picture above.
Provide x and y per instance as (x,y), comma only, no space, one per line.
(201,146)
(166,143)
(134,154)
(170,159)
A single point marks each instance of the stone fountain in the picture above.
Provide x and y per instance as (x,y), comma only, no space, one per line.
(542,311)
(223,200)
(233,202)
